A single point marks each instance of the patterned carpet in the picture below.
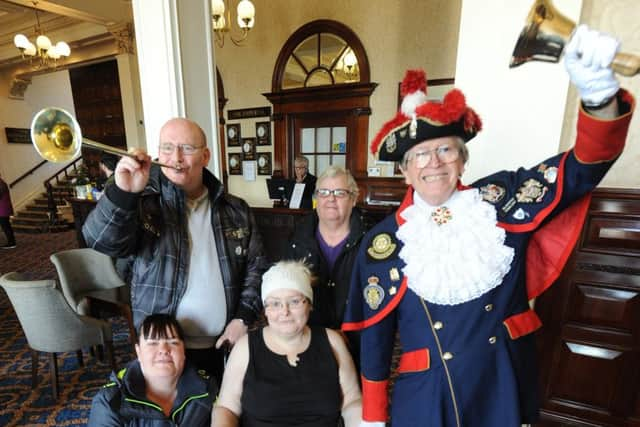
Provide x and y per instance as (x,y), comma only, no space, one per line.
(19,404)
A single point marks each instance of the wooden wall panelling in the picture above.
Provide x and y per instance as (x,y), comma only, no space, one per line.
(589,347)
(98,105)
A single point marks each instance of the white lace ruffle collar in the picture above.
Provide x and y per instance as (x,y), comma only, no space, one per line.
(454,253)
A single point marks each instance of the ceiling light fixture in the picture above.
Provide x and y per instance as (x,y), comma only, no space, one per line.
(222,25)
(47,53)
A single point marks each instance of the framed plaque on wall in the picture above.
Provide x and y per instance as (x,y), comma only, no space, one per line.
(264,164)
(233,135)
(263,133)
(235,164)
(248,148)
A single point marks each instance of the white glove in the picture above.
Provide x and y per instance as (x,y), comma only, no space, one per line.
(372,424)
(587,58)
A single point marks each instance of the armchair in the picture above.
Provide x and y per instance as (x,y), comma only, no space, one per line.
(89,282)
(51,326)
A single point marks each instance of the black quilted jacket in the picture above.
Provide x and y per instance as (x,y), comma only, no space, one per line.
(152,227)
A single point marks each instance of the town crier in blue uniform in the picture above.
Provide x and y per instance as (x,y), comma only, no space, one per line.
(452,272)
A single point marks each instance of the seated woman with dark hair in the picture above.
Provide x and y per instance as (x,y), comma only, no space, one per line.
(158,388)
(288,374)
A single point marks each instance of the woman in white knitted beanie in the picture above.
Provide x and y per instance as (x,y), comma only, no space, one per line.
(287,373)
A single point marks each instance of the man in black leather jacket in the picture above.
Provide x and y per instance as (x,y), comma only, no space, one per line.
(194,246)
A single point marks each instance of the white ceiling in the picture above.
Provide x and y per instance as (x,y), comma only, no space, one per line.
(68,20)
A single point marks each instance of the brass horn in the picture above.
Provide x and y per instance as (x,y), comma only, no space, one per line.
(545,34)
(57,137)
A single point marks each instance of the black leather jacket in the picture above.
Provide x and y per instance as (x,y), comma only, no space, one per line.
(152,227)
(123,402)
(331,288)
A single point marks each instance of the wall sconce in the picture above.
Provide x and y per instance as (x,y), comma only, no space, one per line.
(221,25)
(349,65)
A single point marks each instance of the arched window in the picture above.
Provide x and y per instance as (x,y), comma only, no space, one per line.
(321,59)
(320,96)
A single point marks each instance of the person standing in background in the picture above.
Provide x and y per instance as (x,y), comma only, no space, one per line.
(302,175)
(6,210)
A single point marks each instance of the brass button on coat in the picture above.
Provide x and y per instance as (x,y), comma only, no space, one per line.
(447,356)
(488,307)
(492,340)
(438,325)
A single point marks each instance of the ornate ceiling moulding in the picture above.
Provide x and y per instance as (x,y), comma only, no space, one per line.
(58,9)
(17,87)
(125,37)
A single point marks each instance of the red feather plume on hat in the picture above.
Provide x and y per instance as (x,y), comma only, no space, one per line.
(413,80)
(452,109)
(453,106)
(472,122)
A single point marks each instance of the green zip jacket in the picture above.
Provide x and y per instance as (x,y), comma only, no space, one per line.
(122,402)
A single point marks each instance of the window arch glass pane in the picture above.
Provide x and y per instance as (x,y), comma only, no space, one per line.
(331,47)
(321,59)
(319,77)
(307,52)
(294,75)
(347,69)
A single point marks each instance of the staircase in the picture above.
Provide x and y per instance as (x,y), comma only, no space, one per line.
(35,217)
(43,214)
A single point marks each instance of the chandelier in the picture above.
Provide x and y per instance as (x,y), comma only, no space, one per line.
(47,53)
(222,25)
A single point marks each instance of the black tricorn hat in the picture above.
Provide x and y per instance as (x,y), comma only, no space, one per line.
(421,119)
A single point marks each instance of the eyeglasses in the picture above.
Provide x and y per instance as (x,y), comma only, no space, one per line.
(291,304)
(186,149)
(339,193)
(444,153)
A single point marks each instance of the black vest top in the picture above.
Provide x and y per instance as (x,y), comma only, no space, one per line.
(277,394)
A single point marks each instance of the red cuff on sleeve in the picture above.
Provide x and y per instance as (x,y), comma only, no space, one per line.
(522,324)
(374,400)
(602,139)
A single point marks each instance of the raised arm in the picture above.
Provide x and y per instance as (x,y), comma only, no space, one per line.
(111,228)
(588,58)
(351,396)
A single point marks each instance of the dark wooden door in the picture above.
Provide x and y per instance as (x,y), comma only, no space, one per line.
(589,346)
(98,104)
